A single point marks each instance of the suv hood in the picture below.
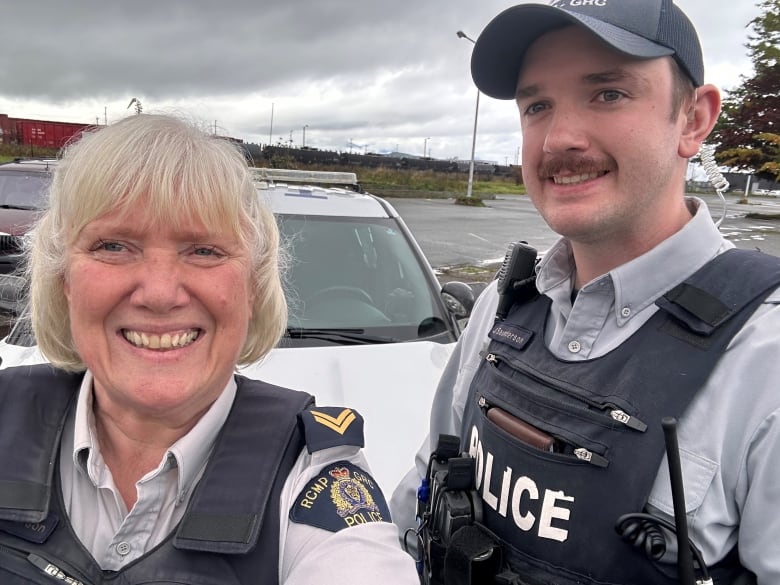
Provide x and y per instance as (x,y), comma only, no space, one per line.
(390,385)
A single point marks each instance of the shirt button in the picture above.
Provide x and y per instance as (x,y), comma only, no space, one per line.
(625,311)
(122,548)
(574,346)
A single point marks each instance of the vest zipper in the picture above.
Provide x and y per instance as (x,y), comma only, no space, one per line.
(616,413)
(580,453)
(52,570)
(46,567)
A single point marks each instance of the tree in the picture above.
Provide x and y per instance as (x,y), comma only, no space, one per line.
(748,132)
(138,107)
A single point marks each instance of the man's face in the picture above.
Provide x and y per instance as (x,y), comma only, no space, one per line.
(600,148)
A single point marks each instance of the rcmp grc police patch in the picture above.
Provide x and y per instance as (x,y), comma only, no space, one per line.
(340,496)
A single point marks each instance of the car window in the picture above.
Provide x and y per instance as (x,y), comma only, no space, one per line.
(19,189)
(356,273)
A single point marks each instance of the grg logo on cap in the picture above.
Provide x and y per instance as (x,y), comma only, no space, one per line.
(645,29)
(562,3)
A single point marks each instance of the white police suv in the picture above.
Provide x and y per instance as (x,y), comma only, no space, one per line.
(369,325)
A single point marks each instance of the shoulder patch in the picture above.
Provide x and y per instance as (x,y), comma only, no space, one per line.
(330,426)
(341,495)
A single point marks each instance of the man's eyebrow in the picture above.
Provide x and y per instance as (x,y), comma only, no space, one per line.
(598,78)
(615,75)
(526,92)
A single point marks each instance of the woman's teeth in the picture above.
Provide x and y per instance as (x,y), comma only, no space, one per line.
(164,341)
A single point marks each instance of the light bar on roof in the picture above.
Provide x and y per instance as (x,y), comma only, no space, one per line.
(311,177)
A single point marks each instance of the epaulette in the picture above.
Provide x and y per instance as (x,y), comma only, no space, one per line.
(331,426)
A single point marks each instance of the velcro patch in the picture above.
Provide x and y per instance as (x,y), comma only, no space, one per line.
(341,496)
(330,426)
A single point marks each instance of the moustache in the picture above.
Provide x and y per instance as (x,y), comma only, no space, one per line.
(575,164)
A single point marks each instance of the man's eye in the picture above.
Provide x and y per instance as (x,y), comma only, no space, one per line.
(611,95)
(535,108)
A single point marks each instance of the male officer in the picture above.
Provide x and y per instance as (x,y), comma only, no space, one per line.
(641,311)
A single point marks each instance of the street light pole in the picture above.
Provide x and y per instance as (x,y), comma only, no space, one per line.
(462,35)
(303,145)
(271,131)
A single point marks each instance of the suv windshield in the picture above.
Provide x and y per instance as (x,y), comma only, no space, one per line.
(23,190)
(353,277)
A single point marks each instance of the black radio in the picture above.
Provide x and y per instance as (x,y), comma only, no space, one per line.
(452,546)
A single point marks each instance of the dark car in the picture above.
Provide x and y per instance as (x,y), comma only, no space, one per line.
(24,185)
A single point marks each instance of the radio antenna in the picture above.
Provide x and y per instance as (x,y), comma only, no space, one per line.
(685,570)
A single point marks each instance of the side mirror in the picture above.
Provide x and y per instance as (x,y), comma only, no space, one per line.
(459,298)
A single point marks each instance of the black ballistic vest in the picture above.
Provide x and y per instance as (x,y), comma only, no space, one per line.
(230,532)
(555,511)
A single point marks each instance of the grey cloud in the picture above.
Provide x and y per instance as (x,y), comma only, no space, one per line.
(382,72)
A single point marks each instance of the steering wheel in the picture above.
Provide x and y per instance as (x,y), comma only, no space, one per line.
(340,292)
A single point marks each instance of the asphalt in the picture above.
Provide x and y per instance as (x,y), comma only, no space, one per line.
(468,243)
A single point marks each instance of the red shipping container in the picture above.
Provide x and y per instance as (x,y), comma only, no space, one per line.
(48,134)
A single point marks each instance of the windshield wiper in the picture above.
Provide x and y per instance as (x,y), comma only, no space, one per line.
(22,207)
(354,336)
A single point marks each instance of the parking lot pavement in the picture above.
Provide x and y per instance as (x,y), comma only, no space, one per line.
(462,241)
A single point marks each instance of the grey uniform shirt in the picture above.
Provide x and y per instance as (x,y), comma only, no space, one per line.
(116,536)
(730,435)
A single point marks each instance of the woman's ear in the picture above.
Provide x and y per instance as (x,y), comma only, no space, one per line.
(700,120)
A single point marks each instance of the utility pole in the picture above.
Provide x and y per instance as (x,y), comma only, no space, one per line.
(271,131)
(462,35)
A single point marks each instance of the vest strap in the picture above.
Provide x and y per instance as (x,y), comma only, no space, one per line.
(227,519)
(23,495)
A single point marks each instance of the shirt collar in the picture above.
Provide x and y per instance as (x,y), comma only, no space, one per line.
(190,453)
(639,283)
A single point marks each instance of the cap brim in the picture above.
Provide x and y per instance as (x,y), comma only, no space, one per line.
(500,50)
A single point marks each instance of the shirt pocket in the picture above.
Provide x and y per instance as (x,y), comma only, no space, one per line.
(697,475)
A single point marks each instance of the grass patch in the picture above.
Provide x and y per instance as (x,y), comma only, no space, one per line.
(398,182)
(473,201)
(759,215)
(383,181)
(9,152)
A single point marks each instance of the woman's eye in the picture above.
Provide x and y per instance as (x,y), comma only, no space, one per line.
(108,246)
(206,251)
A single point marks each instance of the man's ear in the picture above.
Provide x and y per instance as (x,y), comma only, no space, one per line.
(701,118)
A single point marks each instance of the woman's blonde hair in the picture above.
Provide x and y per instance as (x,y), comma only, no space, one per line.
(177,172)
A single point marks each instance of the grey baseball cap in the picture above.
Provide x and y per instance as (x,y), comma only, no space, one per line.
(644,29)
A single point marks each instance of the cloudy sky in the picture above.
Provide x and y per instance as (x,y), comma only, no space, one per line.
(379,75)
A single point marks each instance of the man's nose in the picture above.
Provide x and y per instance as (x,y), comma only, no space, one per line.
(566,131)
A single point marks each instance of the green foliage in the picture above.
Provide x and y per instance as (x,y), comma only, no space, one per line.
(472,201)
(748,129)
(9,152)
(402,182)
